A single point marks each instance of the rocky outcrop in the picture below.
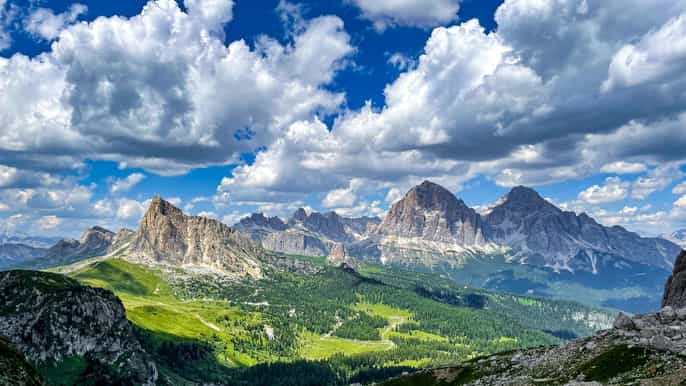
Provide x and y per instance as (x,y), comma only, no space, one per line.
(14,368)
(432,213)
(675,289)
(167,236)
(539,233)
(338,254)
(49,317)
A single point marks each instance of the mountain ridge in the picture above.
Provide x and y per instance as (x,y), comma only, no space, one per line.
(432,219)
(166,235)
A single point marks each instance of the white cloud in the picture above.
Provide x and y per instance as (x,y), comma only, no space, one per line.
(161,91)
(613,190)
(415,13)
(680,189)
(659,54)
(125,184)
(393,195)
(131,209)
(622,167)
(44,23)
(657,180)
(103,207)
(6,16)
(339,198)
(401,61)
(49,222)
(681,202)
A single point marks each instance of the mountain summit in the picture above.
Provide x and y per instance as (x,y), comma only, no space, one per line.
(541,233)
(166,235)
(430,212)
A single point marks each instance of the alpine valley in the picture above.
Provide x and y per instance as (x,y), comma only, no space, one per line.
(320,299)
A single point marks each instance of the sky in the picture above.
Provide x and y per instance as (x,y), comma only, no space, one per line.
(232,107)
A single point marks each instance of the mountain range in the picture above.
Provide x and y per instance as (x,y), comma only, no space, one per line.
(430,219)
(523,244)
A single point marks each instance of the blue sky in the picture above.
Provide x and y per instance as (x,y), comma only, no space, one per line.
(233,107)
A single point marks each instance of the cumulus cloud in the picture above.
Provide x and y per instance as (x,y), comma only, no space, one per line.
(680,189)
(125,184)
(657,180)
(160,90)
(129,209)
(339,198)
(524,104)
(401,61)
(413,13)
(49,222)
(45,24)
(658,55)
(622,167)
(613,190)
(557,92)
(681,202)
(5,19)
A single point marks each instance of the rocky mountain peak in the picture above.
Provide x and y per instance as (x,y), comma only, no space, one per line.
(675,288)
(259,220)
(96,237)
(431,212)
(431,196)
(523,199)
(300,214)
(329,225)
(541,233)
(166,235)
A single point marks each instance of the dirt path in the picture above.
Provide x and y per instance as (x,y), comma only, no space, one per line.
(398,320)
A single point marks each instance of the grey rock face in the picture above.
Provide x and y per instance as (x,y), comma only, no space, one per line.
(49,317)
(338,254)
(431,212)
(623,322)
(675,288)
(310,234)
(168,236)
(541,233)
(14,368)
(295,243)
